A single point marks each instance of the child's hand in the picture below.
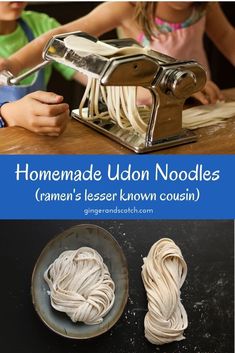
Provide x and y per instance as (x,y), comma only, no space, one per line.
(41,112)
(7,64)
(3,64)
(210,94)
(144,96)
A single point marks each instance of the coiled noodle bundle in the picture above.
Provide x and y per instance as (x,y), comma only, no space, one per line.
(80,285)
(163,273)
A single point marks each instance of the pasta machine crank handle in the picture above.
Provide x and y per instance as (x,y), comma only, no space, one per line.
(16,80)
(7,79)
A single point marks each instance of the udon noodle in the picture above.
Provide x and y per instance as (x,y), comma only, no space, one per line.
(80,285)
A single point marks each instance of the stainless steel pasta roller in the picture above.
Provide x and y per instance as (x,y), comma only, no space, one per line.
(119,63)
(124,63)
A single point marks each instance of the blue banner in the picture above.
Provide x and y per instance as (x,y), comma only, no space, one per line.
(117,187)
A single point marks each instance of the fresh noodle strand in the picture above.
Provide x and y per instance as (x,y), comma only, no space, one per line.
(120,102)
(84,97)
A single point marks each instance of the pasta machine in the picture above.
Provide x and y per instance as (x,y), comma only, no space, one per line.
(170,82)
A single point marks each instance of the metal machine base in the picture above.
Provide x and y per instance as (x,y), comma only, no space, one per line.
(133,140)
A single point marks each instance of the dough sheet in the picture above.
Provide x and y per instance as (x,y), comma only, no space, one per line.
(207,115)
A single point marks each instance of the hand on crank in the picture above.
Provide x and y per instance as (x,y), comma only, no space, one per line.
(9,65)
(210,94)
(41,112)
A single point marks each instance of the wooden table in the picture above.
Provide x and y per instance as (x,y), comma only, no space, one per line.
(80,139)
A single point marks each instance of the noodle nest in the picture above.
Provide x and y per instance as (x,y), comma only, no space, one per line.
(80,285)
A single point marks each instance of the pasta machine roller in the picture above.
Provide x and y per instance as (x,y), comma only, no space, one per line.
(170,82)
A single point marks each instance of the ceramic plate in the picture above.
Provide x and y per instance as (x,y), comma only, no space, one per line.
(72,239)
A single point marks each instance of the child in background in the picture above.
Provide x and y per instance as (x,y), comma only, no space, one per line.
(41,112)
(175,28)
